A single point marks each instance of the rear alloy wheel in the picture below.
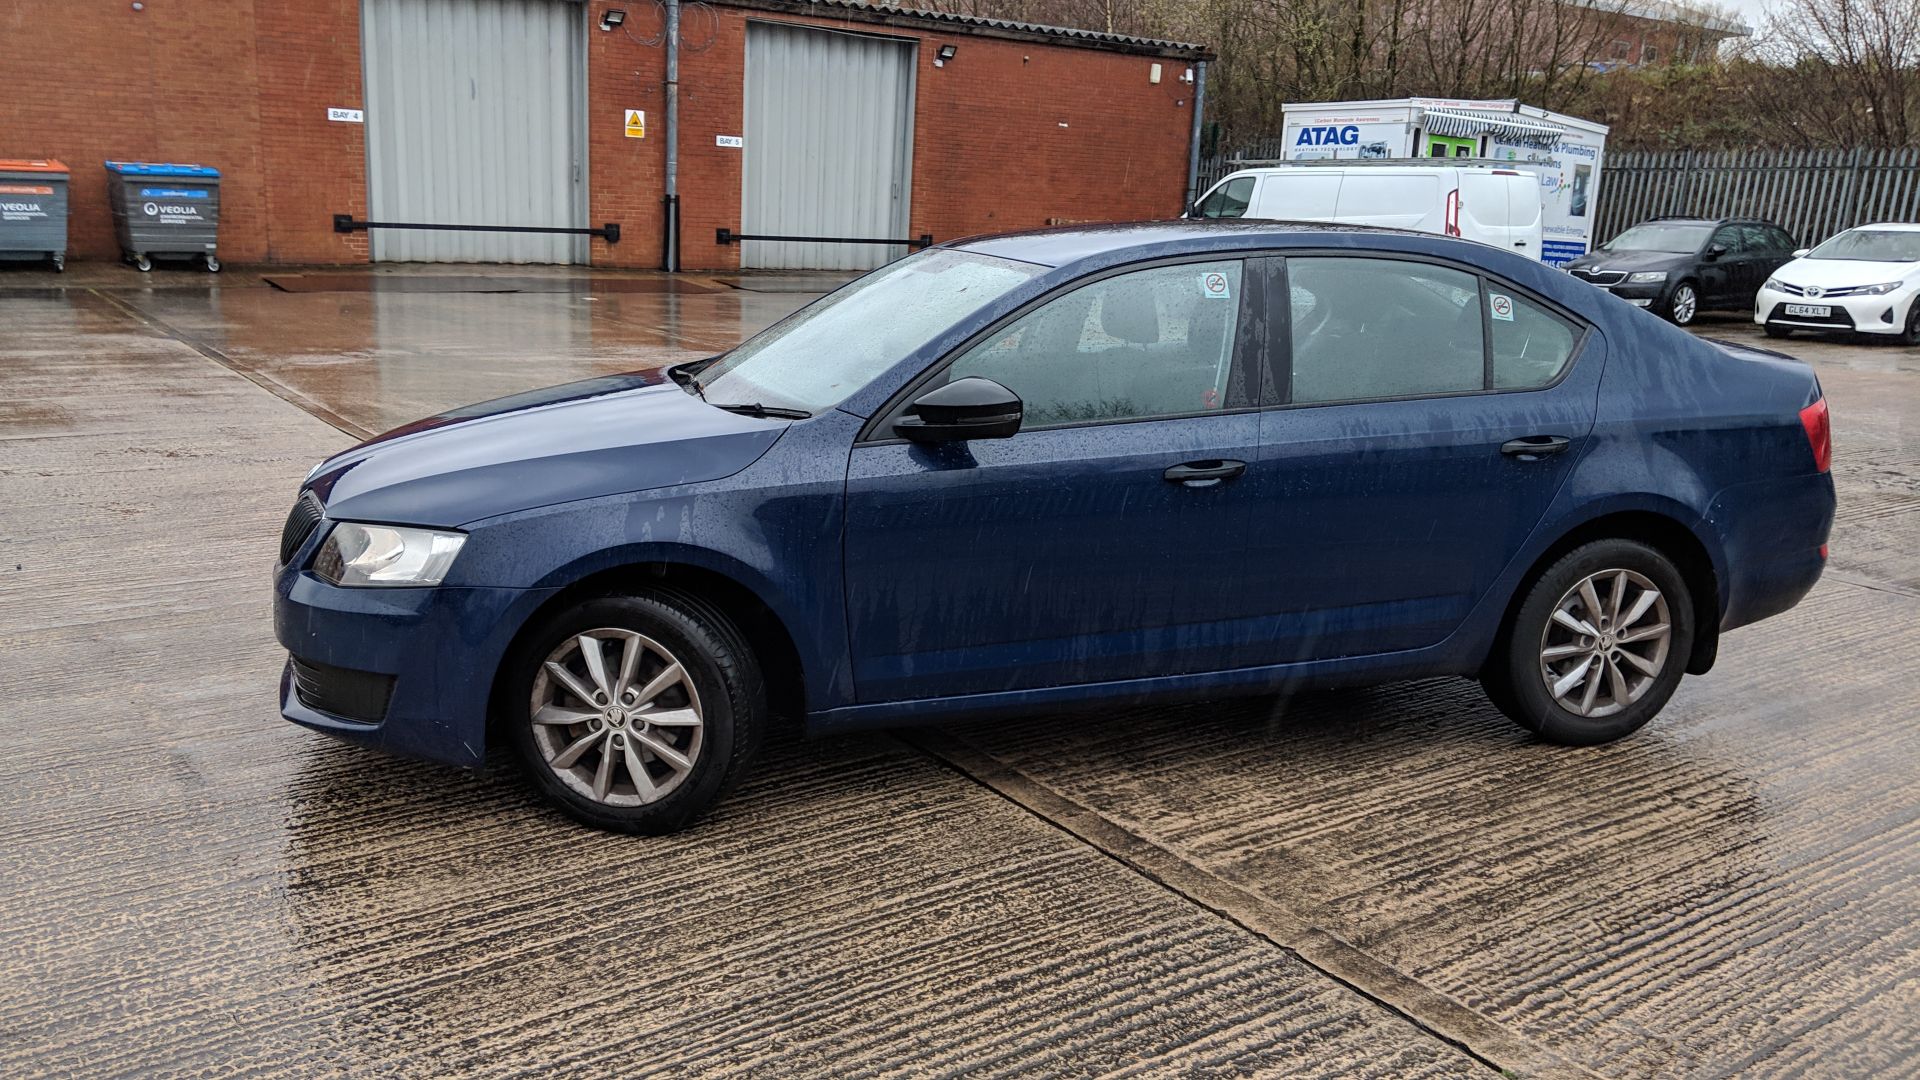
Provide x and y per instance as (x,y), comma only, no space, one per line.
(1684,304)
(634,714)
(1598,645)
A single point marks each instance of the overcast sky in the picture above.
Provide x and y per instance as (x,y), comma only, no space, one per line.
(1752,12)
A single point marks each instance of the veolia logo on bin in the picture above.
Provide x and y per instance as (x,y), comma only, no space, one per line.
(172,212)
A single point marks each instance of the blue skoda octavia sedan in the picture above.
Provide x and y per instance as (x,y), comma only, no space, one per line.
(1057,469)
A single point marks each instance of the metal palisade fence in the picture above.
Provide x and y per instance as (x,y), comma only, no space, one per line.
(1811,193)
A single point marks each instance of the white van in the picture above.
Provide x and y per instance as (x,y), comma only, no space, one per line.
(1498,206)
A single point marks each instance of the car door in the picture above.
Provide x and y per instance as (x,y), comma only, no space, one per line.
(1423,421)
(1768,250)
(1720,275)
(1105,540)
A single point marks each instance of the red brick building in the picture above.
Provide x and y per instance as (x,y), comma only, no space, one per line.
(520,112)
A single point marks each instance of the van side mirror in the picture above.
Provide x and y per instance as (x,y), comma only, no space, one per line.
(1801,253)
(970,408)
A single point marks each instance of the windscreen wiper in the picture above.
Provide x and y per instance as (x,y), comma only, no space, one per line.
(771,412)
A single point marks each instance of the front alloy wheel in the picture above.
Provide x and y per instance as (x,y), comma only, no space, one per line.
(1684,305)
(633,713)
(616,717)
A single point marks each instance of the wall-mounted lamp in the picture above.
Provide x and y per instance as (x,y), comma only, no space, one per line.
(943,54)
(611,18)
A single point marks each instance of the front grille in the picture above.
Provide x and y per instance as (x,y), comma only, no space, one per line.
(1790,290)
(1602,277)
(301,521)
(1837,317)
(360,696)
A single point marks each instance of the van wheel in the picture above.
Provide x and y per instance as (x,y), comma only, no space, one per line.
(1684,304)
(634,713)
(1597,646)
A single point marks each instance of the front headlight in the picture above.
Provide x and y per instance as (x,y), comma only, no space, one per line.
(1878,290)
(1647,277)
(358,555)
(1776,285)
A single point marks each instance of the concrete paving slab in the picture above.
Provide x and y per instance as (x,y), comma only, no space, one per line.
(193,886)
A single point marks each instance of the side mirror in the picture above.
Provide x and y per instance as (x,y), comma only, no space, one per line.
(1714,251)
(970,408)
(1801,253)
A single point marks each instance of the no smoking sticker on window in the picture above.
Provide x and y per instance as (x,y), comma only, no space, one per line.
(1214,286)
(1501,306)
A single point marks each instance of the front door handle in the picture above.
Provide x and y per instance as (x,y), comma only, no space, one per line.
(1535,447)
(1205,473)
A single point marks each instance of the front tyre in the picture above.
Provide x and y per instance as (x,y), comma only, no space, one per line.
(1597,646)
(634,713)
(1910,335)
(1684,304)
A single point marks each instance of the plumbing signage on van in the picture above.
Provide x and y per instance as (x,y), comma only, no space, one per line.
(1568,174)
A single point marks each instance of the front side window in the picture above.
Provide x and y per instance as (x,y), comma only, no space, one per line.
(1229,200)
(1381,328)
(1729,238)
(820,355)
(1151,343)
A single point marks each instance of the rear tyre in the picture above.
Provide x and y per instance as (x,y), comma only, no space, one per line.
(1597,646)
(634,713)
(1778,331)
(1684,304)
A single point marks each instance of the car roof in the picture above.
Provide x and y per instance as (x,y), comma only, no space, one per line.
(1070,244)
(1891,226)
(1708,221)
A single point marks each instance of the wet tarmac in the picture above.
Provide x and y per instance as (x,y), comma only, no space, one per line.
(1382,882)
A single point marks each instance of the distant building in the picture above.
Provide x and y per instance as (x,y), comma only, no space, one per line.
(1640,33)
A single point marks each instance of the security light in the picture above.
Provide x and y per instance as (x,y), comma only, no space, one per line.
(945,53)
(611,18)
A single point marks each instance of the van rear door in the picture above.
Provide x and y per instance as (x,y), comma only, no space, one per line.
(1309,194)
(1524,209)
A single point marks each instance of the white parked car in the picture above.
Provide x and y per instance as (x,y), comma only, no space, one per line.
(1495,206)
(1866,279)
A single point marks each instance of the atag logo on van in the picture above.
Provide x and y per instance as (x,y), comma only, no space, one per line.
(1329,135)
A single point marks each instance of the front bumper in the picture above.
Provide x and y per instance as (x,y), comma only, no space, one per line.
(1859,314)
(435,650)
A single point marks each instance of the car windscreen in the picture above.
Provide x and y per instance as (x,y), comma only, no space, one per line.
(1871,245)
(820,355)
(1658,236)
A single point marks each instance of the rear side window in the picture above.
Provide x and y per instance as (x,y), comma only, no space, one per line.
(1372,329)
(1229,200)
(1531,345)
(1382,328)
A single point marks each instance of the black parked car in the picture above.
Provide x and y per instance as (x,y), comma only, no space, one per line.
(1681,266)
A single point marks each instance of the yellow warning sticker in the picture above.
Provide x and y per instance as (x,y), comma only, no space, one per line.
(636,124)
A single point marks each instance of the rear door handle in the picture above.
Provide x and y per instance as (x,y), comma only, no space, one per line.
(1535,447)
(1205,473)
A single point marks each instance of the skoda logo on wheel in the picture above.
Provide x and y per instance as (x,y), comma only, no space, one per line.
(152,209)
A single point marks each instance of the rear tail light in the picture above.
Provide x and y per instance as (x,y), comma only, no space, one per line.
(1453,212)
(1819,433)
